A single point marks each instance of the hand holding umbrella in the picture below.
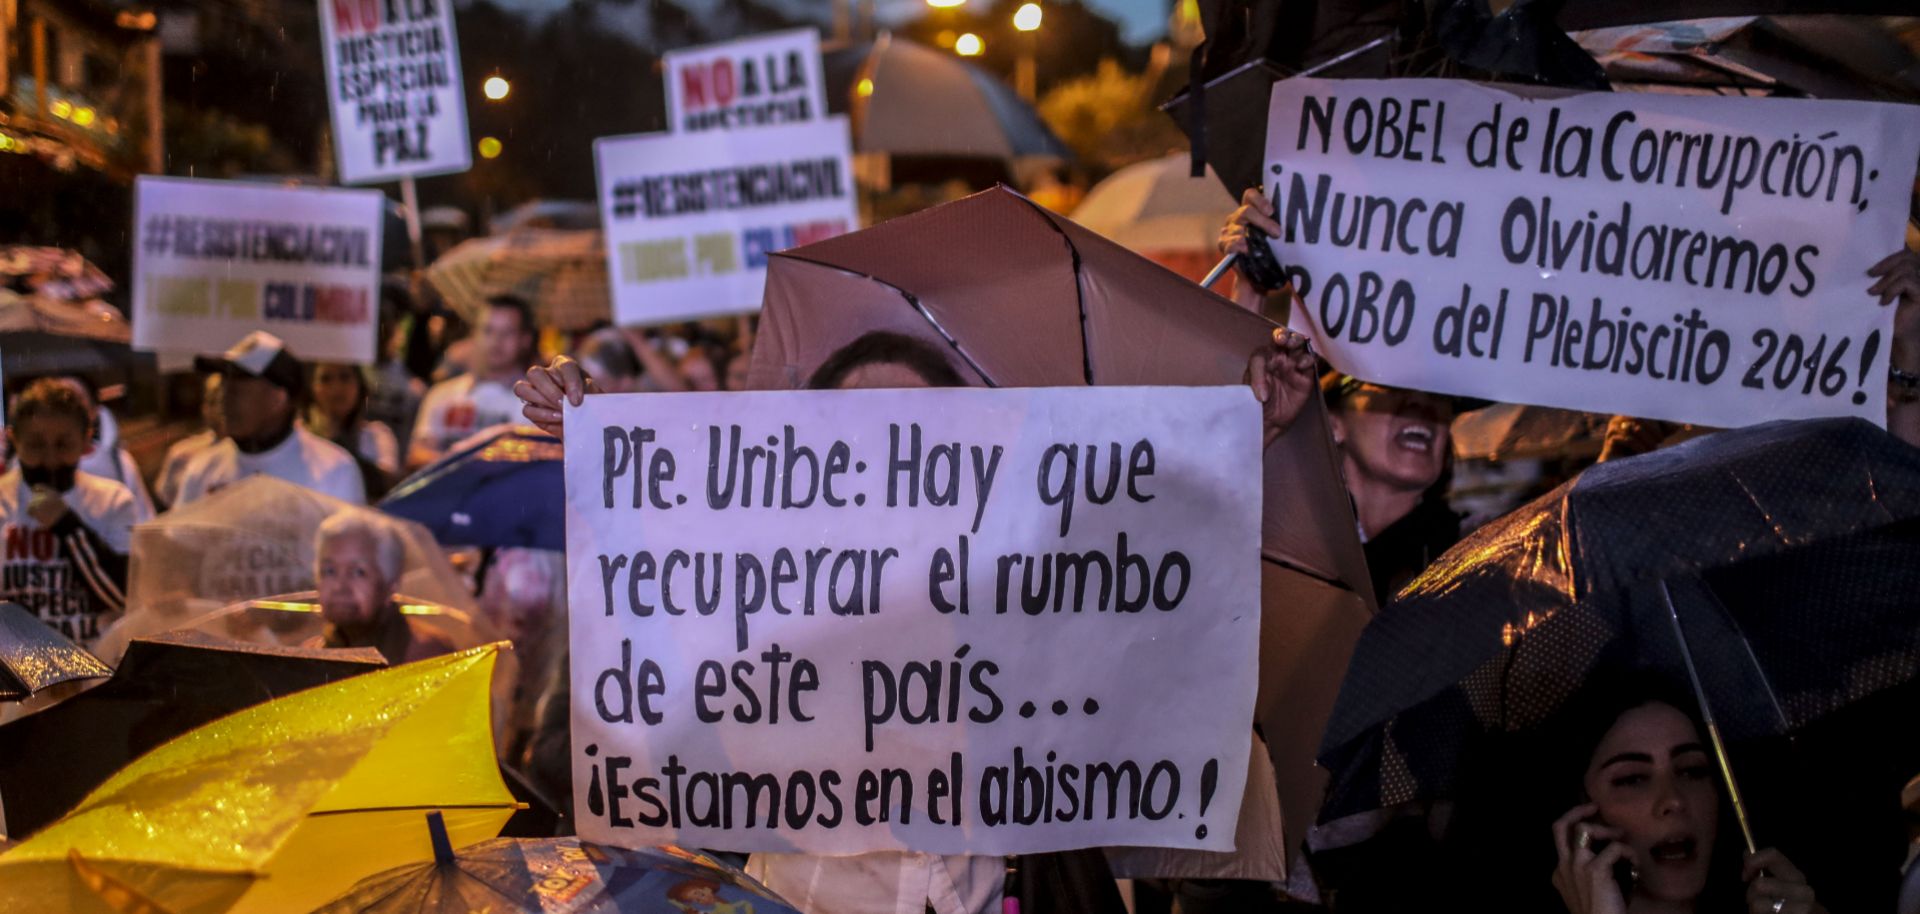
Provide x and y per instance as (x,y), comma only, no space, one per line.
(545,389)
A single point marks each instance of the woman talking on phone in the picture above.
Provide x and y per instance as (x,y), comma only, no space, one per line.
(1654,832)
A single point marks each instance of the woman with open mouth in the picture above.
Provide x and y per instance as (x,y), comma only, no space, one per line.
(1655,832)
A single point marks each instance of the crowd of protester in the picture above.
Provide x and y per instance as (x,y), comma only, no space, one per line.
(1645,783)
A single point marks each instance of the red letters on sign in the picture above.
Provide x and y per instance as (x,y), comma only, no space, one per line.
(708,85)
(356,15)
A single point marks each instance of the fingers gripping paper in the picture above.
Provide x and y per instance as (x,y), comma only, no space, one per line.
(983,621)
(1692,259)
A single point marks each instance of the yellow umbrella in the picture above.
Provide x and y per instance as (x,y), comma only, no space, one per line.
(280,807)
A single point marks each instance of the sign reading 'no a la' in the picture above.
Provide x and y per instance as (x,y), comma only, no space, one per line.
(691,218)
(762,81)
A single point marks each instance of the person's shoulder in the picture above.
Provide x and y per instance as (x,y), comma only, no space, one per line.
(459,385)
(13,493)
(200,460)
(320,450)
(99,497)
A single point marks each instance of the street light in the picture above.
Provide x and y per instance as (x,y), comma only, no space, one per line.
(495,88)
(969,45)
(946,4)
(489,147)
(1027,19)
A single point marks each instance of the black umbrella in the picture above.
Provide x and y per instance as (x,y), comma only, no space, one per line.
(33,656)
(165,686)
(1779,563)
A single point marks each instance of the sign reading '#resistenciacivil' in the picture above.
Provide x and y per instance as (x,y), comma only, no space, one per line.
(690,218)
(214,260)
(952,621)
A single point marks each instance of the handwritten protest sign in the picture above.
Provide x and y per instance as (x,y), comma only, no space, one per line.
(984,621)
(213,260)
(691,218)
(761,81)
(393,84)
(1691,259)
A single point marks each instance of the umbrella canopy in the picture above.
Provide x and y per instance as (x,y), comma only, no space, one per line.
(41,334)
(34,657)
(558,876)
(562,273)
(165,686)
(1512,431)
(1062,306)
(919,102)
(1157,209)
(252,539)
(57,273)
(503,487)
(1787,549)
(547,214)
(281,806)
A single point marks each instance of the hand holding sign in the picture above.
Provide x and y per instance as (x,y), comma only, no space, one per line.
(547,389)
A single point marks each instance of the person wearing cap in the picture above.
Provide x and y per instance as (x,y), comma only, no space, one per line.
(1393,446)
(503,347)
(261,395)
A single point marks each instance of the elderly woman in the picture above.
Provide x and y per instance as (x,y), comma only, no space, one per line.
(357,561)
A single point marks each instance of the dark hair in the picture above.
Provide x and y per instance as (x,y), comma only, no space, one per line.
(52,397)
(517,305)
(883,347)
(359,403)
(1516,785)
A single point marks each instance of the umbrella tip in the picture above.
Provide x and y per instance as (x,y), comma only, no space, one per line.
(437,830)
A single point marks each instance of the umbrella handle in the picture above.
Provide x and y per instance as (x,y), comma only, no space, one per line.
(1713,729)
(1219,269)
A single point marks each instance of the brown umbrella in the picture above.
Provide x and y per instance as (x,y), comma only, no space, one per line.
(1026,298)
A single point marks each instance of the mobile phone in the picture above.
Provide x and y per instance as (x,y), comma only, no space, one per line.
(1623,872)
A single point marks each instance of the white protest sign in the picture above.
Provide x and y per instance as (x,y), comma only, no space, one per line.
(951,621)
(213,260)
(763,81)
(1690,259)
(393,84)
(690,218)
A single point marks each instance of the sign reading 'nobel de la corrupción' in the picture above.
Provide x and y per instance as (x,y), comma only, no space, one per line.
(951,621)
(691,218)
(1691,259)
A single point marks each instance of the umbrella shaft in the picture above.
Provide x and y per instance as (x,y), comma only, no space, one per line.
(1219,269)
(1713,728)
(1733,789)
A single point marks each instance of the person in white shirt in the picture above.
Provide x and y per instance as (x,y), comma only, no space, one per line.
(167,486)
(107,459)
(263,388)
(457,407)
(64,533)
